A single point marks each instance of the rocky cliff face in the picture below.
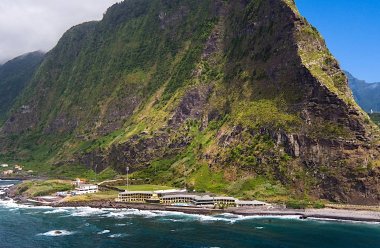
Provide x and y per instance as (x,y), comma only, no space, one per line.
(231,96)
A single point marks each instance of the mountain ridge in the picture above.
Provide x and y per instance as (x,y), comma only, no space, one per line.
(366,94)
(238,97)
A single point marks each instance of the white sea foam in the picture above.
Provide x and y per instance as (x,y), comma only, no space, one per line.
(104,232)
(175,220)
(55,233)
(127,213)
(161,215)
(7,203)
(232,218)
(184,217)
(144,213)
(86,211)
(56,211)
(6,186)
(122,224)
(11,204)
(118,235)
(116,215)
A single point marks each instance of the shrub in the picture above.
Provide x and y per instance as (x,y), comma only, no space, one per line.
(297,204)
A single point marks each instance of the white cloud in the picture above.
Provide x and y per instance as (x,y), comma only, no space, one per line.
(30,25)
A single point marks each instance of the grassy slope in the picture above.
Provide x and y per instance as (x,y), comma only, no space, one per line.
(42,188)
(100,196)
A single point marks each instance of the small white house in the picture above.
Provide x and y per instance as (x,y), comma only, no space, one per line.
(85,189)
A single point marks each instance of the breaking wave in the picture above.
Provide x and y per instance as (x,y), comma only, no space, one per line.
(118,235)
(55,233)
(164,216)
(57,211)
(104,232)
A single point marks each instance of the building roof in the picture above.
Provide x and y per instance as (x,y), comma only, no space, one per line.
(179,196)
(224,198)
(87,185)
(198,197)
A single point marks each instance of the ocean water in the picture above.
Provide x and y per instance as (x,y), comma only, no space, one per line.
(27,226)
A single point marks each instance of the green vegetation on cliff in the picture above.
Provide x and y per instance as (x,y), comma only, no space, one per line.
(376,118)
(14,77)
(234,97)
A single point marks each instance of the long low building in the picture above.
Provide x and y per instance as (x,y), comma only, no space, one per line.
(197,200)
(138,196)
(182,199)
(179,198)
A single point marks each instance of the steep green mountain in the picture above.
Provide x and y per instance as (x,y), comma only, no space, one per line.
(14,76)
(367,95)
(238,97)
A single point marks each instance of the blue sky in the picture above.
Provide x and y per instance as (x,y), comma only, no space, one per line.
(352,32)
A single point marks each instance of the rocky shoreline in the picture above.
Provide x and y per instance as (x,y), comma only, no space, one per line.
(326,213)
(140,206)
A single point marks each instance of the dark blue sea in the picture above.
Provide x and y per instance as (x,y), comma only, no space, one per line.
(23,226)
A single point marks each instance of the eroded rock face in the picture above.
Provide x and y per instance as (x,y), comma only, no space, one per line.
(339,170)
(192,106)
(137,153)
